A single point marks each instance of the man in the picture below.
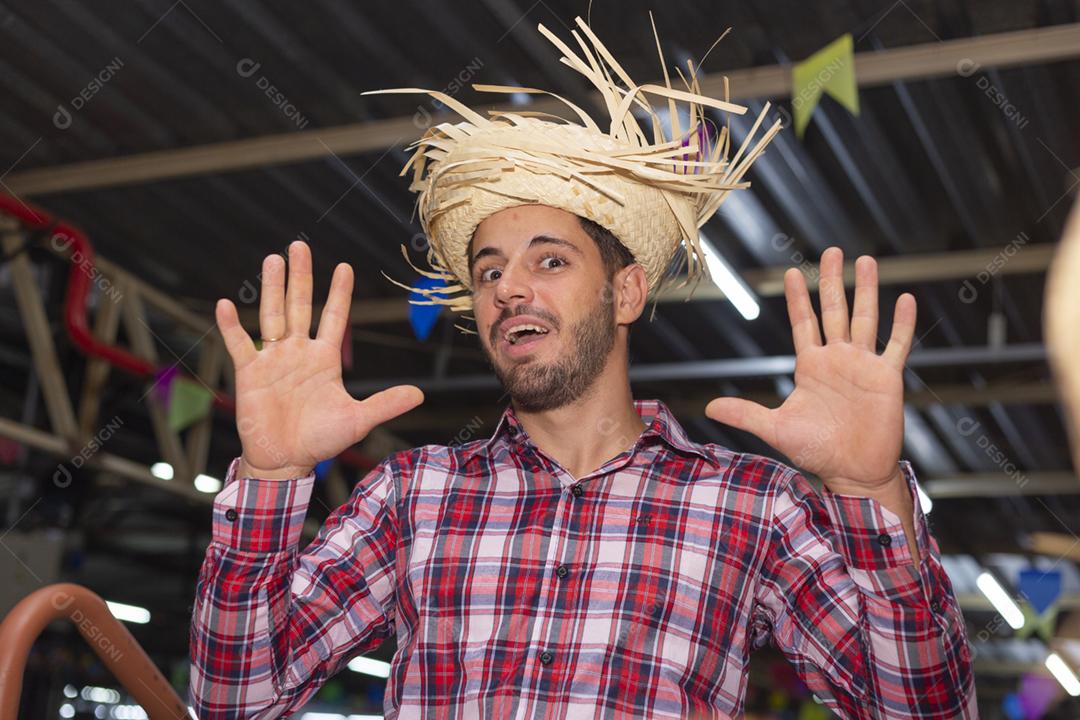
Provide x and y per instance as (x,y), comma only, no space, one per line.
(588,559)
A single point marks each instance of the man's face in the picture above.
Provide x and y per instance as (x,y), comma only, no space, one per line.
(534,264)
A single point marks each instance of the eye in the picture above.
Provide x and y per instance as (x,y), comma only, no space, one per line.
(553,256)
(559,261)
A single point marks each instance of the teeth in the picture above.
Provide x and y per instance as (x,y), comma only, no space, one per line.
(511,334)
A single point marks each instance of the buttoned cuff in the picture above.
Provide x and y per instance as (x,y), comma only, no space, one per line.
(260,516)
(874,545)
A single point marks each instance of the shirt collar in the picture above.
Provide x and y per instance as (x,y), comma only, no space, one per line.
(655,413)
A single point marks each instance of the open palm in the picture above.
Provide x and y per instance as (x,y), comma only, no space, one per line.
(292,409)
(844,421)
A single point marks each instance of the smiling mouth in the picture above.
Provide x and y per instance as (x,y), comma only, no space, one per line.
(522,344)
(525,332)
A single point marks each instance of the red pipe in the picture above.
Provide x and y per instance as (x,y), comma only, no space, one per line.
(82,266)
(78,289)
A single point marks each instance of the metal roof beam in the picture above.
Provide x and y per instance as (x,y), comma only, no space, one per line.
(968,267)
(1036,45)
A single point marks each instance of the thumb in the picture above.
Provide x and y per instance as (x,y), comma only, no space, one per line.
(744,415)
(385,405)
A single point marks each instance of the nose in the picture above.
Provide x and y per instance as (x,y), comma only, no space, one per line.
(513,286)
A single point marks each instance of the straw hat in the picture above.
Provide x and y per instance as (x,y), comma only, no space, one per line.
(653,193)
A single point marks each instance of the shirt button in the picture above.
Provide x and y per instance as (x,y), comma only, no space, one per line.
(936,606)
(546,658)
(884,539)
(231,515)
(561,571)
(578,492)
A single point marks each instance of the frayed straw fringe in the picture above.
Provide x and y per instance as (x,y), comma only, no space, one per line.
(693,174)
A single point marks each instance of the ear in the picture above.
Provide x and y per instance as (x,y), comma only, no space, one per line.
(630,287)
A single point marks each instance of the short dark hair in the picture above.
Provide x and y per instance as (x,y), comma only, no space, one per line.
(613,253)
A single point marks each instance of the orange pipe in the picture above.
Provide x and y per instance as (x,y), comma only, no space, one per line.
(111,641)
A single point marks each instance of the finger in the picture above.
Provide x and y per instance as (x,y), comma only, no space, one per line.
(834,312)
(298,294)
(335,314)
(272,300)
(744,415)
(237,341)
(903,330)
(864,316)
(804,323)
(383,406)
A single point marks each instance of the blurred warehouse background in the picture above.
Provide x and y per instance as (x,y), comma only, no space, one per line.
(188,139)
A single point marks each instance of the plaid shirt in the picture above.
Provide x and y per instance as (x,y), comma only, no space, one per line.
(518,591)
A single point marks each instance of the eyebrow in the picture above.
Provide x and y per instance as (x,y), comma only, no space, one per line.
(538,240)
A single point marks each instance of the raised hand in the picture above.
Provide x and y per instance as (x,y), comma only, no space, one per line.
(844,421)
(292,409)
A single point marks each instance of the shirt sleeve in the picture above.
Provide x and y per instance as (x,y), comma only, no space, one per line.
(271,624)
(872,634)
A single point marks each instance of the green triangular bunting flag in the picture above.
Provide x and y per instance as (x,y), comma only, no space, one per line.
(1044,624)
(189,401)
(831,69)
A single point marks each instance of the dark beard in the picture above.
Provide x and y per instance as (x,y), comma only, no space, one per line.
(535,387)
